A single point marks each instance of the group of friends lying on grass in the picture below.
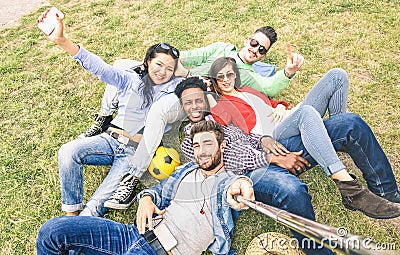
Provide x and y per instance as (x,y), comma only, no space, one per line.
(238,141)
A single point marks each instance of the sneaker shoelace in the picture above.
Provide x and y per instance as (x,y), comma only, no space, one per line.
(124,189)
(92,130)
(100,120)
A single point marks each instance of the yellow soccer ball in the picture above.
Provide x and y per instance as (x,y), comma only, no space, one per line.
(164,162)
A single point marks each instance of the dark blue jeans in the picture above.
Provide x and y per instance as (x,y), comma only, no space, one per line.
(349,133)
(277,187)
(90,235)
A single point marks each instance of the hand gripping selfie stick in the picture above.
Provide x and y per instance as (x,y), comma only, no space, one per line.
(336,239)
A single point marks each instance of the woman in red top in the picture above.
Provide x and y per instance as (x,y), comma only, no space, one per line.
(246,108)
(253,112)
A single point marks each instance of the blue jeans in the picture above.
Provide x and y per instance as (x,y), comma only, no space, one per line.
(277,187)
(93,235)
(274,186)
(349,133)
(329,93)
(90,235)
(100,150)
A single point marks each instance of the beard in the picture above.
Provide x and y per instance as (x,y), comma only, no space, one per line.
(211,164)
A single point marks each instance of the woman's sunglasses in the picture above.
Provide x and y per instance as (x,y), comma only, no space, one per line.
(261,49)
(221,77)
(167,47)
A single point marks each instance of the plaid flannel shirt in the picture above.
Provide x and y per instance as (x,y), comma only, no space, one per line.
(243,152)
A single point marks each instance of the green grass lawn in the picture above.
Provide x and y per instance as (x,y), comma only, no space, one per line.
(47,99)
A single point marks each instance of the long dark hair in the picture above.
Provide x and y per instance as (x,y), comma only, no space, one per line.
(217,66)
(146,87)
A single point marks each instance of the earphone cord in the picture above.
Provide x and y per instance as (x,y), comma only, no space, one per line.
(201,189)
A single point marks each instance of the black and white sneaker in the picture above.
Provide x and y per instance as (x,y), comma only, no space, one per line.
(97,127)
(125,194)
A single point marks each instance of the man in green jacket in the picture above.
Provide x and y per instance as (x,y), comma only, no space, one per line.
(255,49)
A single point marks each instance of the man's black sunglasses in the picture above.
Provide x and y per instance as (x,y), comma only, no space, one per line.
(166,46)
(261,49)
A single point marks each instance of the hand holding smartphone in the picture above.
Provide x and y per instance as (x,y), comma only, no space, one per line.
(49,22)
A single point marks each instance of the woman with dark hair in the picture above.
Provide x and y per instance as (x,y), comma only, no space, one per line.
(151,79)
(230,110)
(137,89)
(253,112)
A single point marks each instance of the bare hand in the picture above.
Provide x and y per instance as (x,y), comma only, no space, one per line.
(181,70)
(208,83)
(294,61)
(58,37)
(58,32)
(242,187)
(279,113)
(145,212)
(292,162)
(269,145)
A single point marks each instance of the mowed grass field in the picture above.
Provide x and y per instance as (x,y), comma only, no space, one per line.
(47,99)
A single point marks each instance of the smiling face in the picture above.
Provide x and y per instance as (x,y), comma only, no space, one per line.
(194,104)
(250,54)
(226,80)
(207,152)
(161,68)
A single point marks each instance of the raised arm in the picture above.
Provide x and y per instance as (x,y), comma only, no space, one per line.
(94,64)
(272,85)
(58,37)
(293,63)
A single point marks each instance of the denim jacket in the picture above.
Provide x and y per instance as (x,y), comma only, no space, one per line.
(222,218)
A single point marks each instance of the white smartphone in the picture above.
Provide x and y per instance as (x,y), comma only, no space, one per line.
(165,237)
(50,22)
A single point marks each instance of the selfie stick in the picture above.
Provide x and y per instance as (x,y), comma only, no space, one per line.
(336,239)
